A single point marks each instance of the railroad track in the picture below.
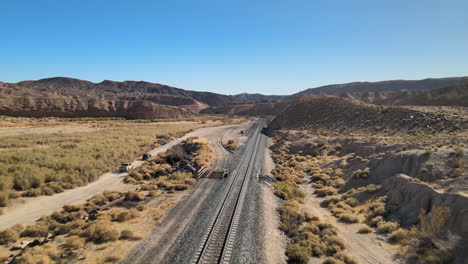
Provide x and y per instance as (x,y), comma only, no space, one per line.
(218,241)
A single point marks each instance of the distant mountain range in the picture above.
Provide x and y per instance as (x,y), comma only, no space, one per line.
(68,97)
(383,86)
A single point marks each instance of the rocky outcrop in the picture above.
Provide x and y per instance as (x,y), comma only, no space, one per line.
(408,198)
(82,107)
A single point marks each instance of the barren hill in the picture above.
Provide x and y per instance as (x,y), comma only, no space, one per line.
(383,86)
(452,95)
(341,115)
(250,109)
(68,106)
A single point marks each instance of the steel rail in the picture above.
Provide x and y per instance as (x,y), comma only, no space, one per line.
(218,240)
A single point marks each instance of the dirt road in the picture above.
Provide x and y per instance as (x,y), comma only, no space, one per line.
(28,210)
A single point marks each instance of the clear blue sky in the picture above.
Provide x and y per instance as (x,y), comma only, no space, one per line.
(271,46)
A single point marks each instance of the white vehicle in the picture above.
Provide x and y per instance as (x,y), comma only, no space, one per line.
(124,167)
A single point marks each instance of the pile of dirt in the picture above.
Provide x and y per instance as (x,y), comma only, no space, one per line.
(342,115)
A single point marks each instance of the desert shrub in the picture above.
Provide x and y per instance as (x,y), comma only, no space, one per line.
(335,243)
(387,227)
(112,259)
(351,201)
(72,208)
(50,250)
(348,218)
(376,208)
(340,258)
(372,188)
(361,174)
(458,151)
(72,225)
(291,218)
(424,250)
(126,234)
(434,222)
(142,207)
(287,191)
(34,259)
(36,230)
(73,243)
(326,191)
(126,215)
(179,186)
(401,235)
(374,222)
(32,193)
(330,200)
(8,236)
(297,254)
(457,173)
(364,230)
(231,145)
(100,232)
(134,196)
(3,199)
(190,181)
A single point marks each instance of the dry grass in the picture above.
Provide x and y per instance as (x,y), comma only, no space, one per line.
(364,230)
(73,243)
(387,227)
(340,258)
(8,236)
(100,232)
(230,145)
(134,196)
(47,163)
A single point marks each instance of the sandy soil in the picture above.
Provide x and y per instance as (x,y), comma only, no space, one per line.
(275,240)
(69,128)
(366,248)
(28,210)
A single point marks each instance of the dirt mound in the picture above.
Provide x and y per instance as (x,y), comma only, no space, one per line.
(345,115)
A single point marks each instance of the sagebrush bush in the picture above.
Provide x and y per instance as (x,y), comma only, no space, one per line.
(326,191)
(134,196)
(126,215)
(100,232)
(349,218)
(50,250)
(364,230)
(126,234)
(3,199)
(297,254)
(8,236)
(387,227)
(34,259)
(401,235)
(36,230)
(340,258)
(288,191)
(73,243)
